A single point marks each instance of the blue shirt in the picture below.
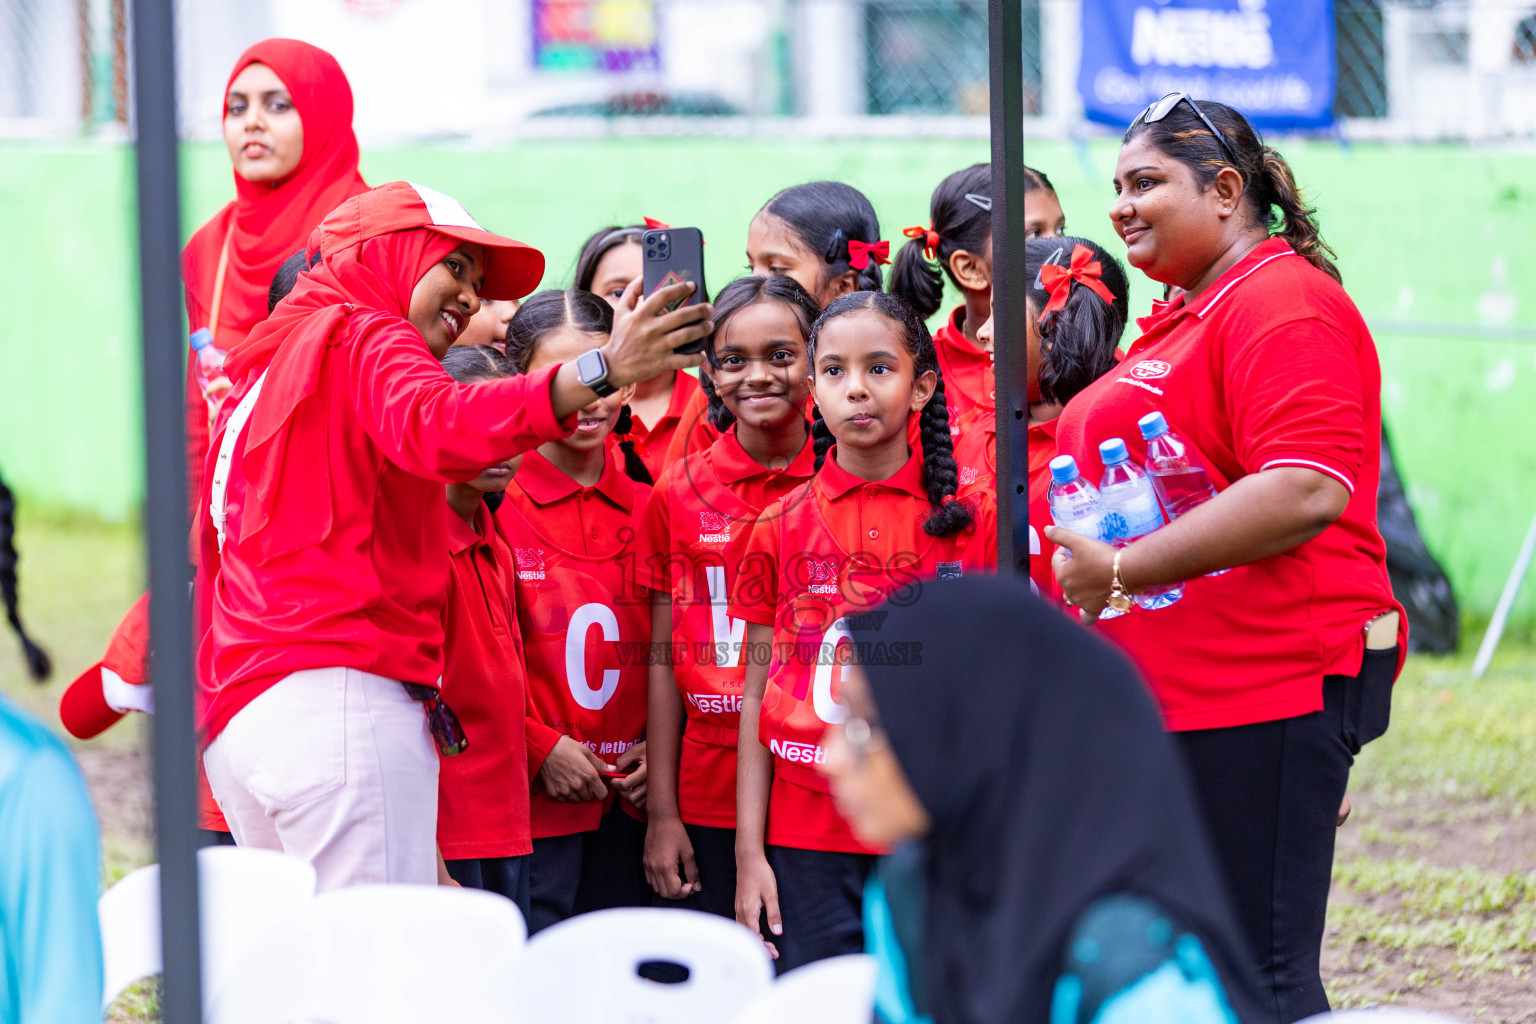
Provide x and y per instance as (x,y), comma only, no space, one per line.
(50,878)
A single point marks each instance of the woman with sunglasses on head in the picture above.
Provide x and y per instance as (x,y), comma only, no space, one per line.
(1272,675)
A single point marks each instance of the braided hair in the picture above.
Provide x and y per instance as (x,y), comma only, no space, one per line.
(826,215)
(541,315)
(941,476)
(39,665)
(960,215)
(732,299)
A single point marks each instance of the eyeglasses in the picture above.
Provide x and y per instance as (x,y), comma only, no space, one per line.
(1163,107)
(863,739)
(444,725)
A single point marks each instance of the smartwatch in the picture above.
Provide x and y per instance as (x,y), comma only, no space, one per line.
(592,371)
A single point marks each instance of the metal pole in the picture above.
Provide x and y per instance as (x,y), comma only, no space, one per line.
(170,609)
(1506,602)
(1005,24)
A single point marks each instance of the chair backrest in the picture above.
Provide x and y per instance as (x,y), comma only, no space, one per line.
(381,954)
(840,990)
(585,970)
(241,893)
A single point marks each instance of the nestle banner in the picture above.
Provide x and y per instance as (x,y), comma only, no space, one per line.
(1273,63)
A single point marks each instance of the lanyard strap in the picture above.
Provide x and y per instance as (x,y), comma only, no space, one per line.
(232,431)
(218,287)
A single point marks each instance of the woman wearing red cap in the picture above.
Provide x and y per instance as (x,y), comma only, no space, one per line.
(322,565)
(288,125)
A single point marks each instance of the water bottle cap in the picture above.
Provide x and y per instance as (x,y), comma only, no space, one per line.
(201,339)
(1152,425)
(1113,452)
(1064,469)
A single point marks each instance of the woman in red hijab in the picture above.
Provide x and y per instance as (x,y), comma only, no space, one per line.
(322,565)
(288,125)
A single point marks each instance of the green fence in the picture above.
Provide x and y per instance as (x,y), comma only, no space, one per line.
(1430,240)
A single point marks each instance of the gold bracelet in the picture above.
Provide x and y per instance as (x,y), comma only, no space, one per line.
(1119,596)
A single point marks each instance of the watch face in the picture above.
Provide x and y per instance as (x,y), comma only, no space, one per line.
(1120,602)
(590,366)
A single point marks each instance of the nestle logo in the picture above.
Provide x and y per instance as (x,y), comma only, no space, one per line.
(1150,369)
(799,753)
(713,522)
(530,563)
(968,475)
(821,572)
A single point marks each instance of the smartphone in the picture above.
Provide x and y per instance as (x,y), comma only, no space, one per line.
(673,255)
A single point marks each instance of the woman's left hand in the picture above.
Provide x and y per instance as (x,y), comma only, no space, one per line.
(632,786)
(1085,568)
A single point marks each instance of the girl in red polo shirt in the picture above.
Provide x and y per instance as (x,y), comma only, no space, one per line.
(957,243)
(878,520)
(1042,210)
(1074,346)
(610,259)
(696,529)
(482,792)
(322,568)
(570,515)
(1273,674)
(825,235)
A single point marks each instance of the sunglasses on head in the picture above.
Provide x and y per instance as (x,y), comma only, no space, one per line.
(1163,107)
(444,725)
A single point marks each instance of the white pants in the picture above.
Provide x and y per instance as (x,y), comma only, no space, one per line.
(335,766)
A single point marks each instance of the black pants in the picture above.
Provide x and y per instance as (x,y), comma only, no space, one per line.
(821,902)
(588,871)
(1270,793)
(506,876)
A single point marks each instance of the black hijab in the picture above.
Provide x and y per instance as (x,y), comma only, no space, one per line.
(1037,752)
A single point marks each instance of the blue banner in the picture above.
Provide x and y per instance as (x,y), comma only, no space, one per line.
(1273,63)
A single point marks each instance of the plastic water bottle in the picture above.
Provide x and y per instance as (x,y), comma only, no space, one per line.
(1131,511)
(1177,476)
(209,368)
(1076,506)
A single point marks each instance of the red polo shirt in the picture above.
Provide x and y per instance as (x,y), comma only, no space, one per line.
(976,455)
(385,429)
(585,624)
(656,438)
(691,542)
(482,793)
(967,370)
(1273,367)
(694,432)
(837,547)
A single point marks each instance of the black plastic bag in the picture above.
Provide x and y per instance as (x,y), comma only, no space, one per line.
(1418,581)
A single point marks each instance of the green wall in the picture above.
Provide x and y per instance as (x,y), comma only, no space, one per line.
(1418,231)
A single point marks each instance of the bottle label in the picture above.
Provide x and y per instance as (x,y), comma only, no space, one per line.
(1136,514)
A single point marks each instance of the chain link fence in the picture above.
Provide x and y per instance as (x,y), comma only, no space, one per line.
(1411,70)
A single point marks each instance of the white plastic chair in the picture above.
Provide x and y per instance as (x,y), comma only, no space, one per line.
(584,971)
(241,893)
(840,990)
(1383,1015)
(381,954)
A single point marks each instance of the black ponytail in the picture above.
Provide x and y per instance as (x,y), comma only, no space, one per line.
(941,476)
(821,436)
(826,215)
(959,217)
(732,299)
(1077,342)
(39,665)
(634,466)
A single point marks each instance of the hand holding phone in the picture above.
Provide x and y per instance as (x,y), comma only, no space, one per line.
(675,256)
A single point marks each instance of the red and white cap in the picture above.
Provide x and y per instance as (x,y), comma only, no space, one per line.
(513,269)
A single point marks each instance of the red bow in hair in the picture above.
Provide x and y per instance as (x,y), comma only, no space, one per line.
(1084,269)
(930,239)
(860,253)
(654,224)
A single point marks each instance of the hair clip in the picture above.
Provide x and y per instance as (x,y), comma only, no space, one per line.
(655,225)
(860,253)
(836,247)
(930,239)
(948,498)
(984,202)
(1084,270)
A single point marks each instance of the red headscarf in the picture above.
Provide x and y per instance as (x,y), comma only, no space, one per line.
(374,249)
(268,221)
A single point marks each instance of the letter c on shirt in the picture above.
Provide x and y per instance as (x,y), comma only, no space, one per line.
(827,709)
(585,617)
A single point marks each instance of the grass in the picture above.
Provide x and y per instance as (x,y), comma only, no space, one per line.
(1435,880)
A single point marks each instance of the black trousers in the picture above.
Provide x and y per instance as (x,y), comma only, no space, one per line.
(587,871)
(1270,793)
(821,902)
(506,876)
(714,854)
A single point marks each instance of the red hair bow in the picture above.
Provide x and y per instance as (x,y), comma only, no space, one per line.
(860,253)
(930,239)
(1084,269)
(654,224)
